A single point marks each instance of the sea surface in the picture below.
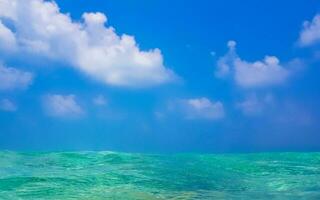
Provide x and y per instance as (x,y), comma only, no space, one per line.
(110,175)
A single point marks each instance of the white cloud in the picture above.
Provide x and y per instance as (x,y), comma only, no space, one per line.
(62,106)
(201,108)
(7,105)
(260,73)
(11,78)
(42,30)
(253,105)
(225,63)
(310,33)
(99,100)
(7,38)
(247,74)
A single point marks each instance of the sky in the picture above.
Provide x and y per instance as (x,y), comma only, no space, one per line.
(160,76)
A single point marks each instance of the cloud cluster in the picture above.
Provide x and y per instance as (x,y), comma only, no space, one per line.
(310,34)
(62,106)
(201,108)
(266,72)
(11,78)
(38,28)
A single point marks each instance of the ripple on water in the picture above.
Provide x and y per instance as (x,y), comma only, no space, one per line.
(110,175)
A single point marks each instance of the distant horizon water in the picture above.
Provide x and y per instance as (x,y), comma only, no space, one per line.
(112,175)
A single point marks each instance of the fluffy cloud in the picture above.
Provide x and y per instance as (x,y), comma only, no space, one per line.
(7,38)
(260,73)
(201,108)
(246,74)
(7,105)
(11,78)
(62,106)
(310,33)
(40,29)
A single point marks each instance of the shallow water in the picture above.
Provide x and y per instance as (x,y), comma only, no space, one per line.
(109,175)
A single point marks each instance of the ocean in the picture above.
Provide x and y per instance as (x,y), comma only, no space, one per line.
(111,175)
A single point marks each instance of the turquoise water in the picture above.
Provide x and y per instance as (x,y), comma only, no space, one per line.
(109,175)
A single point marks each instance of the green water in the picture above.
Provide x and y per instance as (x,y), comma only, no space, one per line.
(108,175)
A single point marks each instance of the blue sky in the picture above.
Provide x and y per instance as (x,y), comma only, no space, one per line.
(160,76)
